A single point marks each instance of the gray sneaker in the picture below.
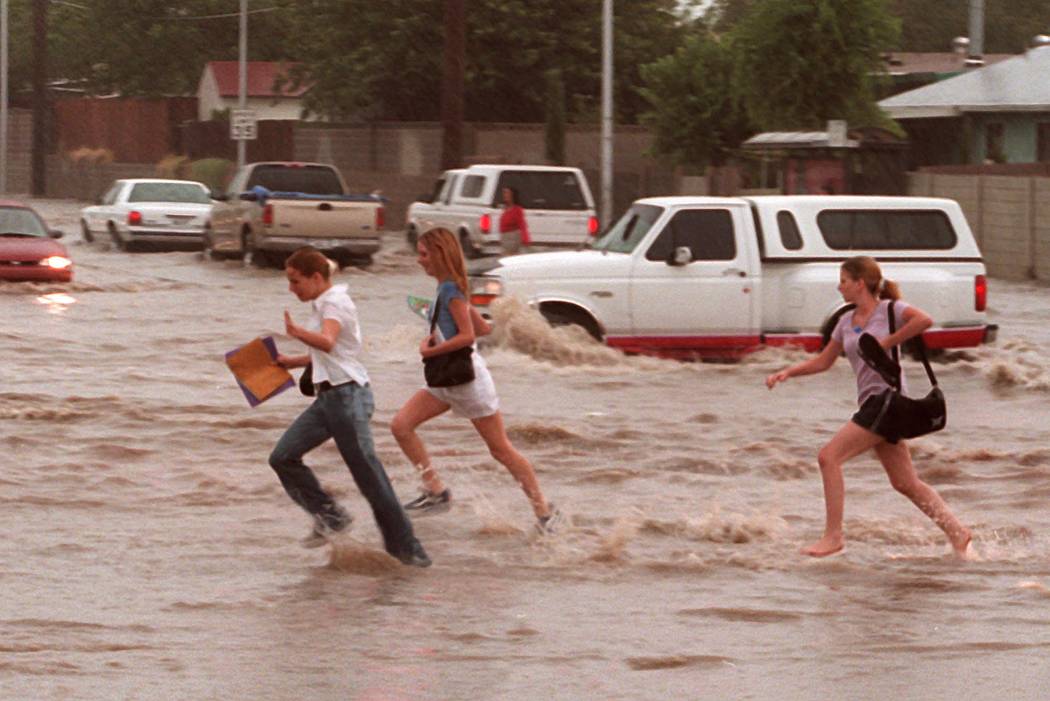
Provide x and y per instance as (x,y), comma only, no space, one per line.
(430,503)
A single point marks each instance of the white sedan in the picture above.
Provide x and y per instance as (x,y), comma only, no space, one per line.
(158,211)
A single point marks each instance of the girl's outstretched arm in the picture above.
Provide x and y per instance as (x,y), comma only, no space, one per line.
(819,363)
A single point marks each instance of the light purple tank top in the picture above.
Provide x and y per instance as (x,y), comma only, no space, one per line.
(869,382)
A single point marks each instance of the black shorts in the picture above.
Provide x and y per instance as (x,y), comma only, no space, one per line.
(867,415)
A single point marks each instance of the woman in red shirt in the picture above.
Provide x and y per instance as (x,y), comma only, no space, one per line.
(514,232)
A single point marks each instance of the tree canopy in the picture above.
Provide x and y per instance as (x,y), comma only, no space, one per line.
(799,63)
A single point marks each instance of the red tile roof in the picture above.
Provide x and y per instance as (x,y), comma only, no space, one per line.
(261,76)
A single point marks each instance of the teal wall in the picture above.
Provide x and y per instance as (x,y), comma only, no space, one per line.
(1019,134)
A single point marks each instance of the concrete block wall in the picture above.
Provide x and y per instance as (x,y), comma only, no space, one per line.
(1009,215)
(1006,226)
(1041,197)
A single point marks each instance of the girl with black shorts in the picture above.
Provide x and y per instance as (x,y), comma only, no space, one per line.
(861,283)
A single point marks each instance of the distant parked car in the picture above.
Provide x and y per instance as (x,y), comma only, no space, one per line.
(149,210)
(28,250)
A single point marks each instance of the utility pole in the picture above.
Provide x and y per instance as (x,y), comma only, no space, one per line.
(607,113)
(242,75)
(3,95)
(39,163)
(452,84)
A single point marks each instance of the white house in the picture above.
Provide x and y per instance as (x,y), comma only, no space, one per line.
(218,90)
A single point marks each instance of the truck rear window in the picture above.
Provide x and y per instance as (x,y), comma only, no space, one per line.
(876,229)
(542,190)
(311,180)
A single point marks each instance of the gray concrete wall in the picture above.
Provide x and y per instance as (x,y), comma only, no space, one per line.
(1009,215)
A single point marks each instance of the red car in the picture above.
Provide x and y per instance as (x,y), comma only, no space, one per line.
(28,250)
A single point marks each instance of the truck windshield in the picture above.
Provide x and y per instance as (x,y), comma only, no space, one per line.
(625,234)
(310,180)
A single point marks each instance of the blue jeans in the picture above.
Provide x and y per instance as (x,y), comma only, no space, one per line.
(343,413)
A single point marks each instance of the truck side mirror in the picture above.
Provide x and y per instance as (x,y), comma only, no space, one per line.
(249,196)
(683,255)
(56,233)
(218,196)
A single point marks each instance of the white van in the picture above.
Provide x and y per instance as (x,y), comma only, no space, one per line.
(719,277)
(559,208)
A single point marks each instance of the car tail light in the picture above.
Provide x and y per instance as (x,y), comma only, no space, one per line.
(980,293)
(267,215)
(380,219)
(592,226)
(134,217)
(485,223)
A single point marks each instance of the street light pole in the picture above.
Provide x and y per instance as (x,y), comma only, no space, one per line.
(3,96)
(607,113)
(242,74)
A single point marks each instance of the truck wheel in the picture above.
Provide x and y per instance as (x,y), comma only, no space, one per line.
(119,243)
(563,317)
(252,256)
(86,232)
(412,237)
(208,247)
(469,252)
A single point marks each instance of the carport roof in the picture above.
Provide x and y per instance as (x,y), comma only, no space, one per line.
(1019,84)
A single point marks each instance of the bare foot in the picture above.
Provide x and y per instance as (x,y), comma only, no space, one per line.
(961,543)
(828,545)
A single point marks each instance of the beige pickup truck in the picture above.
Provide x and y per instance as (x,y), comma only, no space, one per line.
(269,209)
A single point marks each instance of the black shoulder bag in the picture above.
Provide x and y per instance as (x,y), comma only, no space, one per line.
(448,369)
(900,416)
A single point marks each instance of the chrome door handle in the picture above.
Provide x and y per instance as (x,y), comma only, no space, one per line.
(734,271)
(600,293)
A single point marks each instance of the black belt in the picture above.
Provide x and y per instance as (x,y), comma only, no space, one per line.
(320,387)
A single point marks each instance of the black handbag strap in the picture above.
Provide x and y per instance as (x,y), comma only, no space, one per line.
(434,316)
(919,343)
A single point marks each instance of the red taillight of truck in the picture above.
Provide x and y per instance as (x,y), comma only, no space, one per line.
(134,218)
(267,215)
(980,293)
(485,223)
(380,218)
(592,226)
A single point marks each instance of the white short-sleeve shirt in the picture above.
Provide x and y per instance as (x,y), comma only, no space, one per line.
(342,363)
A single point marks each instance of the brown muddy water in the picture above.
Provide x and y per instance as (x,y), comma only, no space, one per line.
(150,553)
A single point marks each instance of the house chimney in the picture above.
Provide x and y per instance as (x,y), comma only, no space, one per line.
(976,55)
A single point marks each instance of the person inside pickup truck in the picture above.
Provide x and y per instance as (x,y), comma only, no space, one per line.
(861,283)
(513,230)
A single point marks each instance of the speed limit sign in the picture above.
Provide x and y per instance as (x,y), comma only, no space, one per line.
(243,125)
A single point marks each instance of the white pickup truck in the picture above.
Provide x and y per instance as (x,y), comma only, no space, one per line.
(559,208)
(720,277)
(270,209)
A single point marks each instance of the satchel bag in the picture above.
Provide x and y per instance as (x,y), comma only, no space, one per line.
(901,416)
(306,381)
(448,369)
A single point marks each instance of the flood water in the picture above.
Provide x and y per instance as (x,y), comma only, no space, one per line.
(149,551)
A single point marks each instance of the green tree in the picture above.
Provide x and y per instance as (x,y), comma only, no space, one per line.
(694,117)
(554,133)
(383,60)
(799,63)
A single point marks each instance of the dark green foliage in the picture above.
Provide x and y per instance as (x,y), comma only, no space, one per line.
(799,63)
(554,133)
(694,116)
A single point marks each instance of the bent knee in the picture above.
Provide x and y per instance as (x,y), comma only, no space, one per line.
(907,486)
(400,428)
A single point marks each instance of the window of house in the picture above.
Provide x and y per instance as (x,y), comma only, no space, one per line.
(707,232)
(993,142)
(1042,142)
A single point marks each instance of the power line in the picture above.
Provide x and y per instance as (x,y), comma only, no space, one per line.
(176,18)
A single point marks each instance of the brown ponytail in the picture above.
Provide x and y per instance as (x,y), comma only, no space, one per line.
(865,268)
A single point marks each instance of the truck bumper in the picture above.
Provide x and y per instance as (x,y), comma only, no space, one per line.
(287,244)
